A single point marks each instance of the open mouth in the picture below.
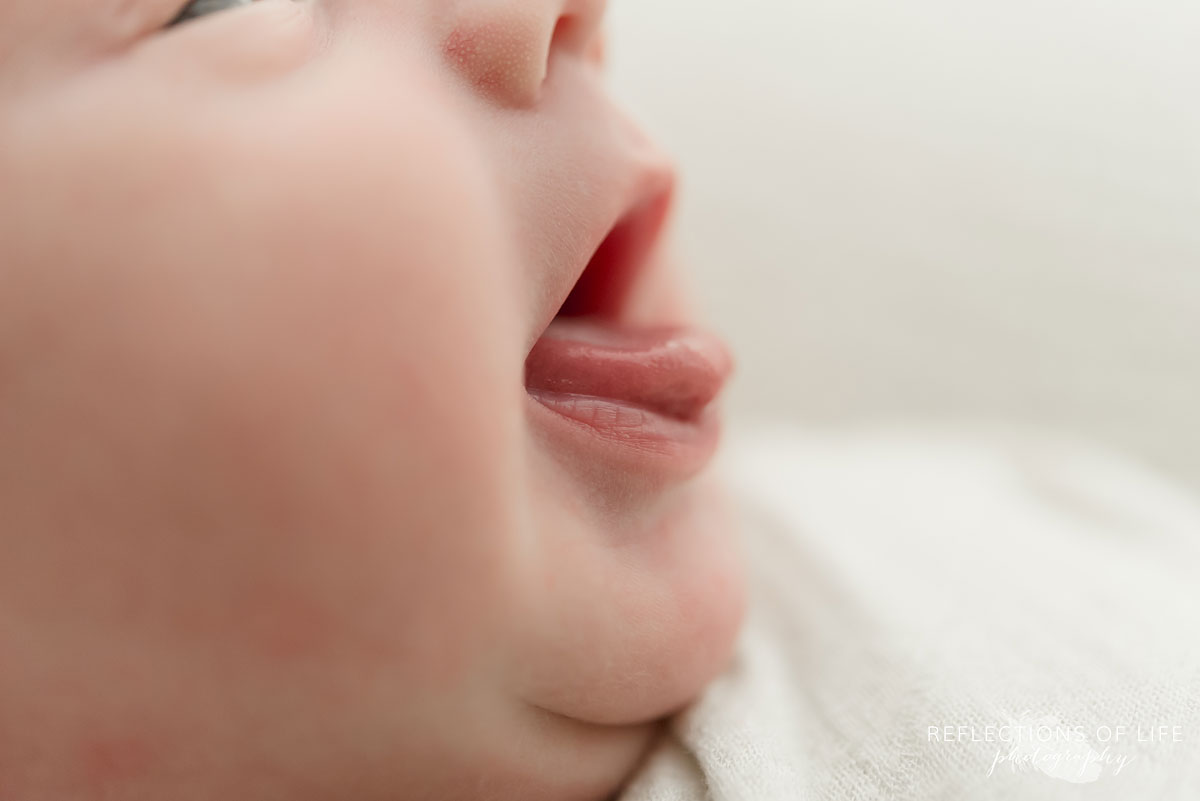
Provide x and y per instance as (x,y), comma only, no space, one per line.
(605,284)
(637,384)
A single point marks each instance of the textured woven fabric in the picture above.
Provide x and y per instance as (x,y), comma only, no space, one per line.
(1039,597)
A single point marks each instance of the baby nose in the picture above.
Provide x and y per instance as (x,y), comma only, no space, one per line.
(505,47)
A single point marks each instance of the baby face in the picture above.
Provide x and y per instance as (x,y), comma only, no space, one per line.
(326,469)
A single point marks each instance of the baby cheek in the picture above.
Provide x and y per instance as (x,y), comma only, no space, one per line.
(110,763)
(321,384)
(419,347)
(391,465)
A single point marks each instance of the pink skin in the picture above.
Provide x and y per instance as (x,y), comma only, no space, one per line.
(279,517)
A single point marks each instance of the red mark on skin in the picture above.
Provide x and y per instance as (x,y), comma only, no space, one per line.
(462,49)
(113,761)
(286,624)
(498,57)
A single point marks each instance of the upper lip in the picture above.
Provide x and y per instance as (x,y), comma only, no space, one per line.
(620,245)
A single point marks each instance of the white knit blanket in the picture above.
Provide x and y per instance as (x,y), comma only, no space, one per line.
(950,615)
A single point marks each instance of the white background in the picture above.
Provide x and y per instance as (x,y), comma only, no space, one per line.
(940,209)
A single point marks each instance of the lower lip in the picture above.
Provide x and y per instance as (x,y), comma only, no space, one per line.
(644,396)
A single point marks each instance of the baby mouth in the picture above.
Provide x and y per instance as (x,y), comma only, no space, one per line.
(651,387)
(607,374)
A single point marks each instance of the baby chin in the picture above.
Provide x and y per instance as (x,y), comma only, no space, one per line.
(634,607)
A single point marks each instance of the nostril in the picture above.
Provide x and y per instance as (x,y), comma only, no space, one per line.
(566,33)
(578,28)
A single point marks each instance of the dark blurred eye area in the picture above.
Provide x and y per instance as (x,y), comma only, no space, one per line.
(202,8)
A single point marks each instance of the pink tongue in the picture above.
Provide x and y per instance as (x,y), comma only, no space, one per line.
(672,371)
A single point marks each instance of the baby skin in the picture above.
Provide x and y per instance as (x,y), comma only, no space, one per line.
(353,425)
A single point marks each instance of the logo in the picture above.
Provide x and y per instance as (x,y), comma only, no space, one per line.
(1045,744)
